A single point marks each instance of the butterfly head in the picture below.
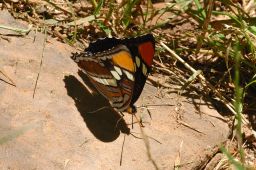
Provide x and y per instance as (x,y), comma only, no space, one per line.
(131,109)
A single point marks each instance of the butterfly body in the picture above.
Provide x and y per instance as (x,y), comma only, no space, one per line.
(118,68)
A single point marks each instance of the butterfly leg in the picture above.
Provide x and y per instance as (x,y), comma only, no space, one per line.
(121,117)
(119,121)
(133,110)
(141,122)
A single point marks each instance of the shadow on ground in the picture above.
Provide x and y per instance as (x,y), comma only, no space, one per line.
(105,124)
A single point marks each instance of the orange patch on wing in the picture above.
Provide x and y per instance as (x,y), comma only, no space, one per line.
(124,60)
(147,52)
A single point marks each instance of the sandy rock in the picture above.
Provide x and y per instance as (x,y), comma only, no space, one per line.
(53,130)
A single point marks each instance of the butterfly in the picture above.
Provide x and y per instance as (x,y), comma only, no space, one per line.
(118,68)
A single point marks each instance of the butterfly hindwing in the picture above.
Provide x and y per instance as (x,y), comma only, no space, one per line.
(112,73)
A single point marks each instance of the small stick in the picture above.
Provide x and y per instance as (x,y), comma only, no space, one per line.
(160,105)
(18,30)
(146,136)
(153,80)
(187,125)
(178,158)
(121,157)
(83,142)
(5,75)
(41,62)
(145,139)
(58,7)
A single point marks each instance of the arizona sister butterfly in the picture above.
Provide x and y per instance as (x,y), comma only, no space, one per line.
(118,68)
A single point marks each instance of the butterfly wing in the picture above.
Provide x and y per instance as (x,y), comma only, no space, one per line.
(112,73)
(142,49)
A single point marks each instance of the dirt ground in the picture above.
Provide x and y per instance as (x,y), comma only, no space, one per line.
(53,130)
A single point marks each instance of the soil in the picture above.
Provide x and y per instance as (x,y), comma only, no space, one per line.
(53,129)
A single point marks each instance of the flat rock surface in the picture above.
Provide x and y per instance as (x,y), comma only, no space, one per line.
(53,129)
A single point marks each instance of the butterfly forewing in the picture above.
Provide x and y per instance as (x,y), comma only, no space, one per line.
(118,67)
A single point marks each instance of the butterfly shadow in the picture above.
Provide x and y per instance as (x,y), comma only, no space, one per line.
(105,124)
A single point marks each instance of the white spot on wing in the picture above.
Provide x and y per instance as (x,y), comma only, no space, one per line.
(137,60)
(115,75)
(129,75)
(105,81)
(144,69)
(117,99)
(118,70)
(110,82)
(102,81)
(96,79)
(126,98)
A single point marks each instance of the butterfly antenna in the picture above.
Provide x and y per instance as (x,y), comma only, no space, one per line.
(121,157)
(139,120)
(135,136)
(101,108)
(144,133)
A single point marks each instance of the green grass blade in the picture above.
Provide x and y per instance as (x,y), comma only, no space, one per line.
(233,17)
(103,27)
(128,12)
(99,6)
(232,160)
(200,9)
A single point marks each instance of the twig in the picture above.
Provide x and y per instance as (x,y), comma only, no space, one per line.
(18,30)
(41,62)
(190,80)
(190,127)
(145,139)
(205,83)
(84,21)
(83,142)
(58,7)
(147,136)
(160,105)
(12,83)
(155,81)
(121,157)
(7,82)
(177,161)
